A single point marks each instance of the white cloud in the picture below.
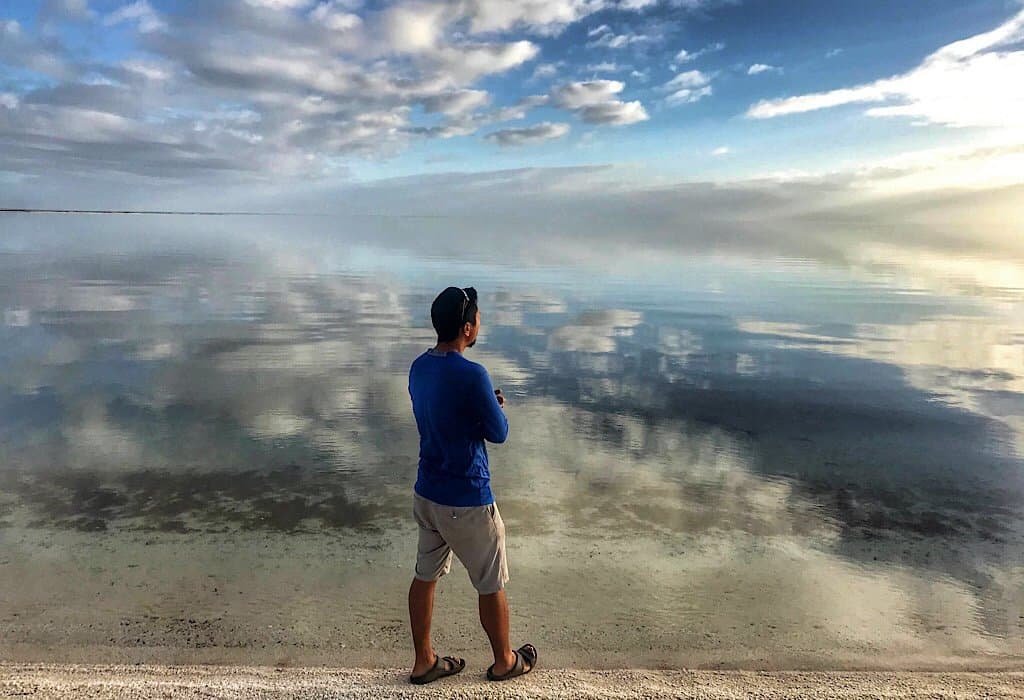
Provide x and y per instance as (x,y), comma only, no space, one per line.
(590,92)
(758,68)
(456,102)
(545,70)
(609,40)
(325,81)
(328,79)
(687,79)
(20,48)
(615,113)
(466,63)
(596,101)
(335,15)
(414,28)
(87,126)
(537,133)
(462,123)
(282,71)
(67,9)
(599,30)
(543,16)
(967,83)
(687,87)
(519,109)
(992,161)
(822,100)
(148,70)
(140,12)
(551,16)
(688,95)
(280,4)
(721,151)
(446,131)
(685,56)
(595,332)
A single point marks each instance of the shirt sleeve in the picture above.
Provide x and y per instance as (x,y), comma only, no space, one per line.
(493,422)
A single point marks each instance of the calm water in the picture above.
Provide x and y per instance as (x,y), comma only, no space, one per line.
(207,452)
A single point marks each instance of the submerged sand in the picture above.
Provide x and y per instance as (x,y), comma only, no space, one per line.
(266,599)
(74,681)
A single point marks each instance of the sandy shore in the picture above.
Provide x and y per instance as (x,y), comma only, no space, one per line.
(339,600)
(151,681)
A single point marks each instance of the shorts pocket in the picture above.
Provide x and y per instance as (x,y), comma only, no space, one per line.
(496,522)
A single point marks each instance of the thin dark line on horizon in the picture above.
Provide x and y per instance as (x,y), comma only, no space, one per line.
(159,212)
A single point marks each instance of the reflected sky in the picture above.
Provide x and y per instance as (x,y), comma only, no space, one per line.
(777,421)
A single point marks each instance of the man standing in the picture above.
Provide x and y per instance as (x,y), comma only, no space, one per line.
(456,410)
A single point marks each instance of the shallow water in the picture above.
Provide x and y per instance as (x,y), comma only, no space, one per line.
(207,452)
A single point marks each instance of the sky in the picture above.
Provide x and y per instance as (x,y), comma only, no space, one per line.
(803,104)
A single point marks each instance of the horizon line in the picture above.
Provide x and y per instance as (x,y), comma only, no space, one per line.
(167,212)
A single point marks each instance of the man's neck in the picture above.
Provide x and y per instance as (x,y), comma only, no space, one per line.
(455,346)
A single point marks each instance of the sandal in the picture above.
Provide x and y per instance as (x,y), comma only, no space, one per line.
(526,659)
(443,666)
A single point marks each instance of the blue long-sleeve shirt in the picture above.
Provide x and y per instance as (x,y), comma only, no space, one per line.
(456,411)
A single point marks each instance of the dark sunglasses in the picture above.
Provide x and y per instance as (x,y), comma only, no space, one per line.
(466,302)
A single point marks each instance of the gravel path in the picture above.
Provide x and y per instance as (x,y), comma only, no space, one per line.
(138,682)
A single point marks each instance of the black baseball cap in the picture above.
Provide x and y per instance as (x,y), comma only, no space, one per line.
(451,309)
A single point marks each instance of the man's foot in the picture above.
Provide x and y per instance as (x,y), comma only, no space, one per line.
(525,660)
(441,667)
(500,668)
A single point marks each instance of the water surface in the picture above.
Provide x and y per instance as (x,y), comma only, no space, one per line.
(207,452)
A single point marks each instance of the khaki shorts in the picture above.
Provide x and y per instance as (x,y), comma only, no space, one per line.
(475,534)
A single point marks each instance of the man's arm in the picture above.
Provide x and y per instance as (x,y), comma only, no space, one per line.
(493,422)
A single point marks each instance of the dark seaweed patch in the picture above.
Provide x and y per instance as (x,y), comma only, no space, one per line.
(289,499)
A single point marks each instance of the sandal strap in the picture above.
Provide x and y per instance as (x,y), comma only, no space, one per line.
(514,671)
(443,666)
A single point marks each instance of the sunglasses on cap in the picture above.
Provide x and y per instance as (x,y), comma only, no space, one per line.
(466,302)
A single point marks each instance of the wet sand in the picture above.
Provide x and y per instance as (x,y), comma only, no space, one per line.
(262,599)
(65,681)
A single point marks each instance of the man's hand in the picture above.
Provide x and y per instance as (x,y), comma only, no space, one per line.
(500,397)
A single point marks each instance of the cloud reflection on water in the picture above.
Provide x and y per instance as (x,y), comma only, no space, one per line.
(809,468)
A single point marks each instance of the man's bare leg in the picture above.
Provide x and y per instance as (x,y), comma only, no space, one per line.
(494,618)
(421,610)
